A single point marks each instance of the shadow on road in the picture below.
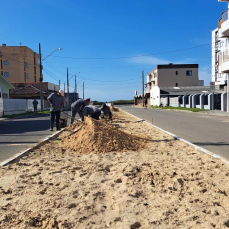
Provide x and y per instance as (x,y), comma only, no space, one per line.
(17,143)
(25,124)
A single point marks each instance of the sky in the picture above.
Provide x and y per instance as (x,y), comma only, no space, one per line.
(111,42)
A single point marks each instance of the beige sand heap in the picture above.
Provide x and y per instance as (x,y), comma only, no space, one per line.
(112,108)
(99,137)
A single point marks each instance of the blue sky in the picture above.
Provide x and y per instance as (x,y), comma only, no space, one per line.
(111,42)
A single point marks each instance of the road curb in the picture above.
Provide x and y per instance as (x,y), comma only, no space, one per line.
(27,151)
(198,148)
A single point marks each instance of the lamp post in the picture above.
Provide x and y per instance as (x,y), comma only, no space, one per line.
(41,67)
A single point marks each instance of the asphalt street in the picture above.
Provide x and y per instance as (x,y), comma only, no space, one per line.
(208,131)
(19,134)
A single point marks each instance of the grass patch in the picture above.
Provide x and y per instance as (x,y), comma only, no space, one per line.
(179,108)
(25,114)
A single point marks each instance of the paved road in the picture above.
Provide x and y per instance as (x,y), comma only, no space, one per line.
(208,131)
(19,134)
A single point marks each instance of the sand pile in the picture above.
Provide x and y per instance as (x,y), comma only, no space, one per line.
(99,137)
(112,108)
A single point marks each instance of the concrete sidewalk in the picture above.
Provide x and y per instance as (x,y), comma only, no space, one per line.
(215,112)
(3,119)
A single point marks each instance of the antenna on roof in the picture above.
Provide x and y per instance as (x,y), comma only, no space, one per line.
(20,43)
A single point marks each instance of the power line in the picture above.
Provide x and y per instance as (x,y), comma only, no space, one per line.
(128,57)
(108,80)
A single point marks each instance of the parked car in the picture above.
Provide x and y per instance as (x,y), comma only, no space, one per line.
(1,104)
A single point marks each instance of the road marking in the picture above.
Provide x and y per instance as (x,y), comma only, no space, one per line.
(16,144)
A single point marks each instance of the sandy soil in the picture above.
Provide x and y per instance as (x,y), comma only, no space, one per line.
(166,184)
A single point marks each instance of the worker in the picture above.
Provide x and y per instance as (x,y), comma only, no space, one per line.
(56,101)
(92,111)
(146,102)
(77,107)
(35,103)
(106,110)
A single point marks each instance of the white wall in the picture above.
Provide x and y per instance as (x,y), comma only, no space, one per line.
(155,96)
(173,101)
(17,106)
(53,87)
(222,46)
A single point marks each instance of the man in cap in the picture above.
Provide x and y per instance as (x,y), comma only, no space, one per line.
(77,107)
(56,101)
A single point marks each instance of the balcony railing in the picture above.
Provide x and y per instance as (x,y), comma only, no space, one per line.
(225,56)
(223,19)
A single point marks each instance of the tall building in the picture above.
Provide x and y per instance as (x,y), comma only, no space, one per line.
(220,52)
(170,75)
(19,64)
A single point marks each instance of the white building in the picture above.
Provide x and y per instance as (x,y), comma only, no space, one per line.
(220,50)
(170,75)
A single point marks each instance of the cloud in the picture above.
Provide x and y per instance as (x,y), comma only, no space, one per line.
(148,60)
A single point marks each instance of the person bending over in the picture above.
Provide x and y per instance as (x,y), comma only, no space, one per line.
(77,107)
(92,111)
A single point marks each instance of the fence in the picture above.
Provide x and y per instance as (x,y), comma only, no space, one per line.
(18,106)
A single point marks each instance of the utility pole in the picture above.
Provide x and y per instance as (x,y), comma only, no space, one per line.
(59,84)
(64,87)
(75,88)
(68,88)
(41,79)
(143,88)
(83,90)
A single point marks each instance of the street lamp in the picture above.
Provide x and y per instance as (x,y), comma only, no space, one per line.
(41,67)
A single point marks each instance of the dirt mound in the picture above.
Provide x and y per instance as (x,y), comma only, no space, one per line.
(99,137)
(112,108)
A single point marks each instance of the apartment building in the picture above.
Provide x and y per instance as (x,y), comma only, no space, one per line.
(19,64)
(171,75)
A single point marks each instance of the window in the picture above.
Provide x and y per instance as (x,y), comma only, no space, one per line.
(176,72)
(6,74)
(25,65)
(6,62)
(188,73)
(27,75)
(176,84)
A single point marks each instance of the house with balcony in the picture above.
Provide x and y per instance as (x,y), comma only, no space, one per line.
(220,50)
(170,75)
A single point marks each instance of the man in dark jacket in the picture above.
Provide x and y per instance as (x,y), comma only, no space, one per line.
(35,103)
(56,101)
(77,107)
(106,110)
